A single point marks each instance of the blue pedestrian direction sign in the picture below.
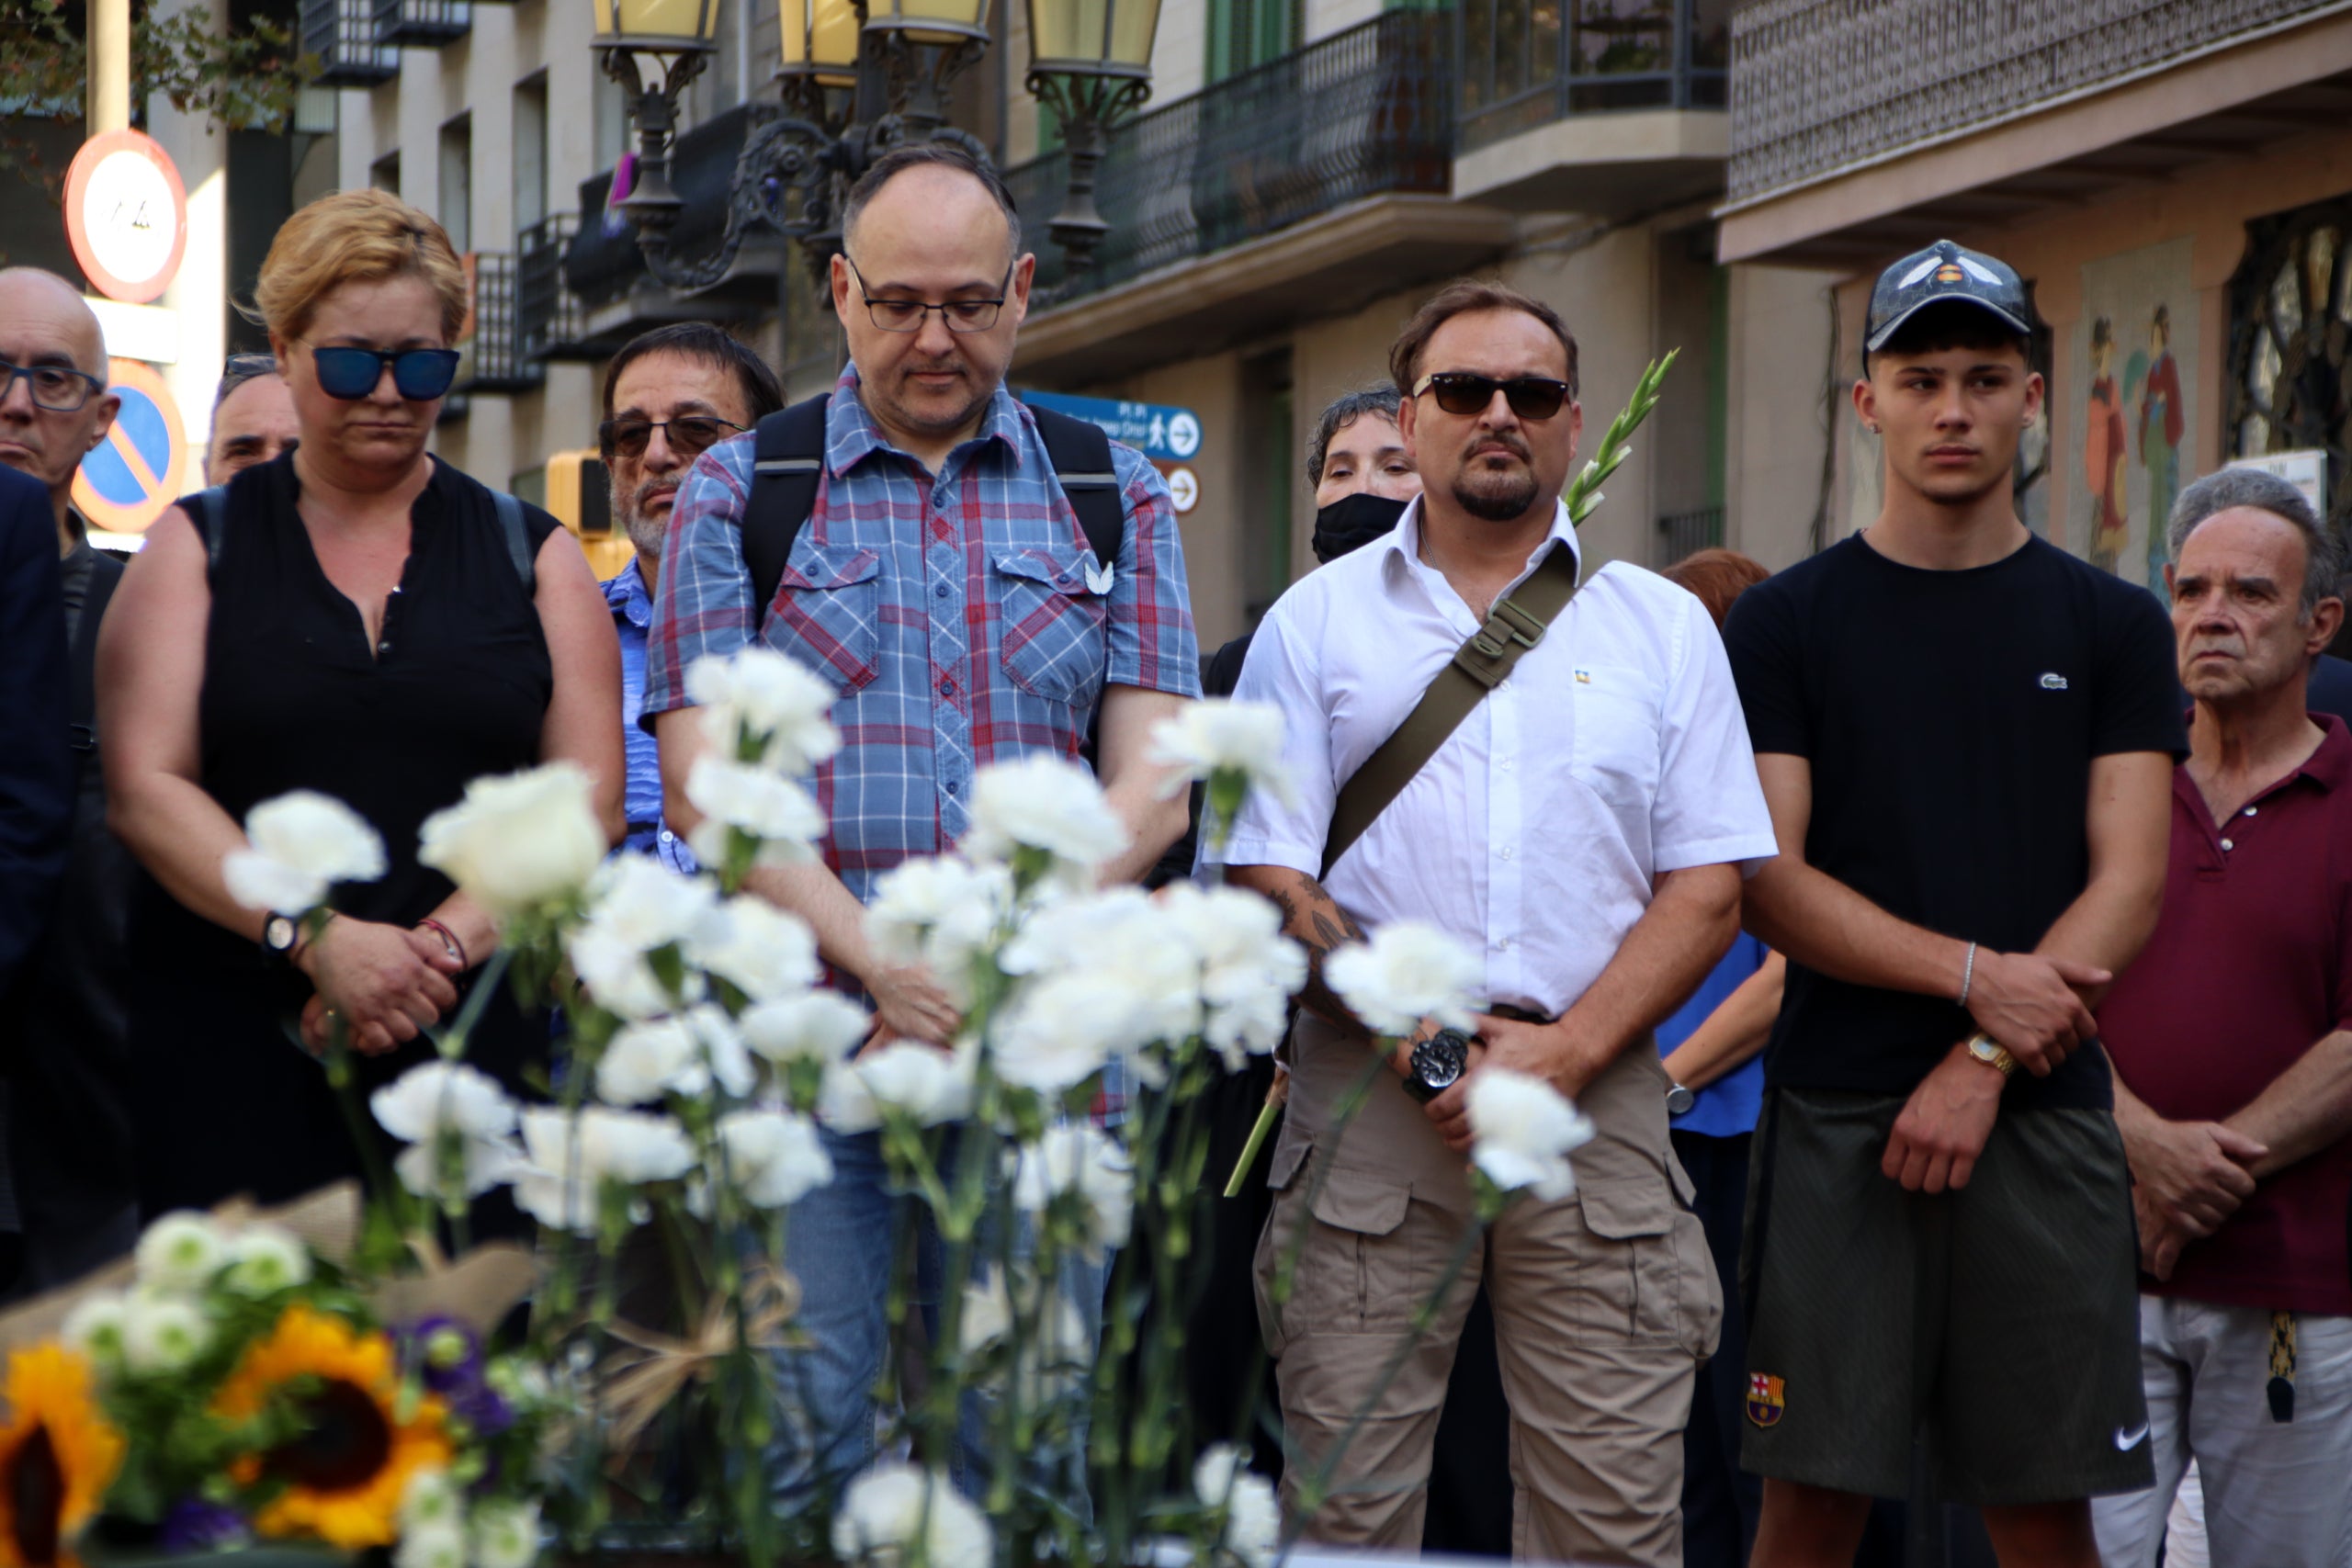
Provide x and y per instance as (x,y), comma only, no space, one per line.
(1160,432)
(136,472)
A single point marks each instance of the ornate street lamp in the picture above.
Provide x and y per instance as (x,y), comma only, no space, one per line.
(857,78)
(1091,63)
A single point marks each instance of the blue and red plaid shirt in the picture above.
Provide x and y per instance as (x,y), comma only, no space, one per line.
(963,619)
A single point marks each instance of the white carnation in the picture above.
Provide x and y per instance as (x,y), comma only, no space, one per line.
(1221,735)
(941,912)
(845,1103)
(1521,1130)
(1406,973)
(1063,1029)
(637,900)
(438,1102)
(893,1506)
(929,1085)
(1083,1161)
(774,809)
(1249,969)
(759,695)
(619,978)
(301,844)
(437,1546)
(181,1251)
(95,1325)
(756,947)
(505,1534)
(819,1026)
(431,1500)
(568,1172)
(162,1334)
(1041,803)
(266,1258)
(518,841)
(1253,1518)
(773,1157)
(646,1061)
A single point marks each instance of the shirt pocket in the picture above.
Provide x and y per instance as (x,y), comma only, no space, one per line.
(1615,744)
(1057,635)
(829,613)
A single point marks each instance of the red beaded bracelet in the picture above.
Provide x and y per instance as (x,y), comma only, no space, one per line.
(449,939)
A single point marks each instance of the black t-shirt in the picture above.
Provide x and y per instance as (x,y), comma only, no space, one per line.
(1950,719)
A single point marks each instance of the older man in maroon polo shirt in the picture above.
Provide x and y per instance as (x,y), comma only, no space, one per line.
(2232,1038)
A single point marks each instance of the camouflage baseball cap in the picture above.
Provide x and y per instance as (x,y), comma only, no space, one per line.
(1945,271)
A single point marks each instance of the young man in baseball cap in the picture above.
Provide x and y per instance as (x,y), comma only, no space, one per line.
(1966,737)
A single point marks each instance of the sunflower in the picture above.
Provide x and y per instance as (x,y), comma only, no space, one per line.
(344,1474)
(58,1456)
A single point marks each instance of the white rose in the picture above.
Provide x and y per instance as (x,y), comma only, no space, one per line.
(774,809)
(1521,1130)
(759,694)
(929,1085)
(302,844)
(756,947)
(774,1158)
(819,1026)
(1253,1518)
(181,1251)
(1220,736)
(1040,802)
(892,1504)
(266,1258)
(96,1326)
(1083,1161)
(162,1334)
(518,841)
(1406,972)
(505,1534)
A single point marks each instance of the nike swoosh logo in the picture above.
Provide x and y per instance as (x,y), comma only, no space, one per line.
(2126,1439)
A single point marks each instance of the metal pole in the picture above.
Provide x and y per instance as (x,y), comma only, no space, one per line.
(110,101)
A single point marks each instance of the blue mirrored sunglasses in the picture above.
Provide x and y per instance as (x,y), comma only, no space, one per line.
(420,373)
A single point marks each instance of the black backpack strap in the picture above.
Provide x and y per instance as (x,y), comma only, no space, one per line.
(518,539)
(1082,456)
(208,511)
(106,573)
(787,458)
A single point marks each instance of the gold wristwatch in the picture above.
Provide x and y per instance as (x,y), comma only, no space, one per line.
(1993,1053)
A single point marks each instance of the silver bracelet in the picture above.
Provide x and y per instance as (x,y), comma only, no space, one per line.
(1968,974)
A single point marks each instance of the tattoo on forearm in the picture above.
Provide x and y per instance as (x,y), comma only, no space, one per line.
(1313,918)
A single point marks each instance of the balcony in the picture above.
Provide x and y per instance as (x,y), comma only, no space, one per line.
(549,322)
(494,360)
(604,267)
(1858,127)
(341,34)
(1304,187)
(426,23)
(1592,105)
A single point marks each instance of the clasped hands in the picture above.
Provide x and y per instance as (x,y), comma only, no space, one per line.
(1556,1052)
(383,983)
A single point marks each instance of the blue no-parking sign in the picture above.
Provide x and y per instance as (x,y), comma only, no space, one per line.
(137,471)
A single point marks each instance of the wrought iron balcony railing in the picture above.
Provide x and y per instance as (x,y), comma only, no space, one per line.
(1363,112)
(428,23)
(1528,62)
(547,313)
(1821,86)
(494,360)
(342,33)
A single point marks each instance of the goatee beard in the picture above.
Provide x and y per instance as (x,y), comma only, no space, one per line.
(1502,505)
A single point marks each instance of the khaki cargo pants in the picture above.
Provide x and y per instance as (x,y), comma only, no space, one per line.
(1605,1304)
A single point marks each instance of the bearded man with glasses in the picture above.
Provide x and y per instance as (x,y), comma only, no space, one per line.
(1582,824)
(669,395)
(940,576)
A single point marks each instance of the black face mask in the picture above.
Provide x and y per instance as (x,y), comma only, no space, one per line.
(1352,522)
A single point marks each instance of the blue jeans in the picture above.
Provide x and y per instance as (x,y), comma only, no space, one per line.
(841,1243)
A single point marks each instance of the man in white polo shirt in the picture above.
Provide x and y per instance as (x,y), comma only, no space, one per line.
(1585,826)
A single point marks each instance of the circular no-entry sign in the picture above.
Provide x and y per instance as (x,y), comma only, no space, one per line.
(126,215)
(136,472)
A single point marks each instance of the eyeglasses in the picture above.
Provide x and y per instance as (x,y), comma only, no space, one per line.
(421,375)
(689,435)
(57,388)
(1459,392)
(908,315)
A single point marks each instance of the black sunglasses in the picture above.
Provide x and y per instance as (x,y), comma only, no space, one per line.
(421,375)
(689,435)
(1459,393)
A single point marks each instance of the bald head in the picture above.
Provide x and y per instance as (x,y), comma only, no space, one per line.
(55,407)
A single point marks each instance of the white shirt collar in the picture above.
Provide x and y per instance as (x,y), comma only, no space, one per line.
(1403,549)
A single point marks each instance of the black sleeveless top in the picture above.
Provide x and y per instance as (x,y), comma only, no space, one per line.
(455,687)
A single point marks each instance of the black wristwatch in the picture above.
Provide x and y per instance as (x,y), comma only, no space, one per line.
(1437,1065)
(279,933)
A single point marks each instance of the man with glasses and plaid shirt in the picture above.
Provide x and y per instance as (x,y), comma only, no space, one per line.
(944,584)
(670,395)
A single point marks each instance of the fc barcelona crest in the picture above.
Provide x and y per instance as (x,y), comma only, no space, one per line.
(1766,1398)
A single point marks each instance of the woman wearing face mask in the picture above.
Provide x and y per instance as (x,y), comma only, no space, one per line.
(354,617)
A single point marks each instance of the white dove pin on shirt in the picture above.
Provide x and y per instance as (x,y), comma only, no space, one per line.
(1100,577)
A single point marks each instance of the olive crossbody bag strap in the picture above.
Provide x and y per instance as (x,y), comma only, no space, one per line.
(1516,624)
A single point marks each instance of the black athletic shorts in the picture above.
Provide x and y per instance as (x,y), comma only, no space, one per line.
(2001,1320)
